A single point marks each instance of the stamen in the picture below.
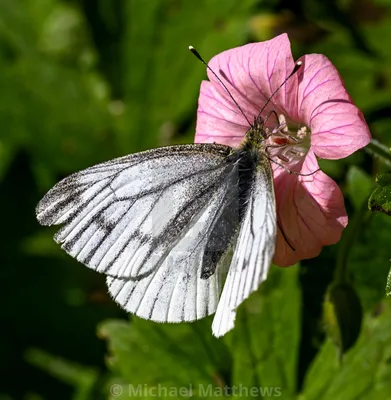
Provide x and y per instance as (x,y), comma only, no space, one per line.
(283,158)
(288,142)
(302,132)
(282,121)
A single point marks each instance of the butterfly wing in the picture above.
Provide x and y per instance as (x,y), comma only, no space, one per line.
(144,220)
(253,252)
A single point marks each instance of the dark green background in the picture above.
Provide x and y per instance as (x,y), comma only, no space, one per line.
(85,81)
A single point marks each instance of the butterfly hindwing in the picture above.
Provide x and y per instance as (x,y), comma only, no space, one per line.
(175,291)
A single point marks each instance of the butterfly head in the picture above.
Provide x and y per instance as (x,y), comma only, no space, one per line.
(256,134)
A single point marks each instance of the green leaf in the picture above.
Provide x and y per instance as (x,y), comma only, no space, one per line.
(82,378)
(267,334)
(342,315)
(147,353)
(380,199)
(359,185)
(369,259)
(364,372)
(388,287)
(259,355)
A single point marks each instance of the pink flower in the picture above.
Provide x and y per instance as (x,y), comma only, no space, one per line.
(313,109)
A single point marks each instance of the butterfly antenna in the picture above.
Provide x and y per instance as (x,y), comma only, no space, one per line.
(197,54)
(298,64)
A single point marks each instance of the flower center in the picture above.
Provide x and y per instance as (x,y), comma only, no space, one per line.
(288,142)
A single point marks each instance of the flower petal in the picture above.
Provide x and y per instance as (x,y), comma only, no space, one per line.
(217,119)
(311,213)
(251,73)
(337,125)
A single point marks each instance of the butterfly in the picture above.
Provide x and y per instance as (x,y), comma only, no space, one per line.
(167,225)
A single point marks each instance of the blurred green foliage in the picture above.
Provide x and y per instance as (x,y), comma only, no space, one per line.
(380,199)
(84,81)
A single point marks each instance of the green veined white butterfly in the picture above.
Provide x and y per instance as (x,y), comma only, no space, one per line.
(160,223)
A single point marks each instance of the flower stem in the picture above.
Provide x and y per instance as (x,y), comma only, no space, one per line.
(379,150)
(349,237)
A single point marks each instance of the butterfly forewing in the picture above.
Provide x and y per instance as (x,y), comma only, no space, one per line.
(254,249)
(124,216)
